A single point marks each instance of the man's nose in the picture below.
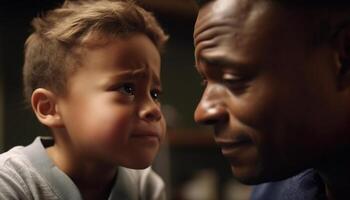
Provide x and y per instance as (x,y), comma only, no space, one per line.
(211,109)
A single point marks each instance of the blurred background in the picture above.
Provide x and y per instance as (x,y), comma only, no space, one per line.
(189,162)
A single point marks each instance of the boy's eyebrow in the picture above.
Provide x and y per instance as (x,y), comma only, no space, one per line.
(156,79)
(128,74)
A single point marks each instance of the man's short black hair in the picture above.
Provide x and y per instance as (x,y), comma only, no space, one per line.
(325,31)
(200,3)
(313,3)
(303,3)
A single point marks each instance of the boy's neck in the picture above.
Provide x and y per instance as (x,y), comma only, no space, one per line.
(94,191)
(81,171)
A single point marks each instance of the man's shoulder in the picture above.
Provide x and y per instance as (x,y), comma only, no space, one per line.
(305,185)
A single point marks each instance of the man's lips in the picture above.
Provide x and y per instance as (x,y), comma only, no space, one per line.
(229,146)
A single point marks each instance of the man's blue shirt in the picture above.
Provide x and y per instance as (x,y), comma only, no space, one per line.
(307,185)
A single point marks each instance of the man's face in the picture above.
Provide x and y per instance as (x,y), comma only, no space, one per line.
(111,111)
(271,96)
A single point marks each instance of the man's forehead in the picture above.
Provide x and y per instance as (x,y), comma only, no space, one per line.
(235,10)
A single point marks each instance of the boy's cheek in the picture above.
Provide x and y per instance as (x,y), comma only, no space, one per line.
(163,128)
(108,127)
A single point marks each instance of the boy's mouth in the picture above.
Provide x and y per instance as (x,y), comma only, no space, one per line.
(148,135)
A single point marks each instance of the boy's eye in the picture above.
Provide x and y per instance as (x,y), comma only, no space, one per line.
(156,93)
(127,89)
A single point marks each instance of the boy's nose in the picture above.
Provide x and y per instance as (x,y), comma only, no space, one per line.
(211,110)
(150,111)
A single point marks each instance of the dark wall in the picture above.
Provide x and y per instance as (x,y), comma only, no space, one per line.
(20,126)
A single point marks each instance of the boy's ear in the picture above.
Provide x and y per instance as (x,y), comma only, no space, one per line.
(342,44)
(44,104)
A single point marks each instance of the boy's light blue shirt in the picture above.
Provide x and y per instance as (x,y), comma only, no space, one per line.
(29,173)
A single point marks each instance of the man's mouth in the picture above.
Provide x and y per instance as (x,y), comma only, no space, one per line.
(230,146)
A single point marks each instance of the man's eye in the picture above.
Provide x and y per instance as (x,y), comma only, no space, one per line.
(127,89)
(232,80)
(204,83)
(156,94)
(237,84)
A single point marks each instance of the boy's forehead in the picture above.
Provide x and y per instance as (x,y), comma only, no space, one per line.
(135,50)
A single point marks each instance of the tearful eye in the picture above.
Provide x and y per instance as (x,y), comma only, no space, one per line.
(127,89)
(156,94)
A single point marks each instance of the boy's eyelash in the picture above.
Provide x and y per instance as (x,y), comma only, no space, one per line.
(118,87)
(159,92)
(127,88)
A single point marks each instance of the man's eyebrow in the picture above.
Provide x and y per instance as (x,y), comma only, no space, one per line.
(217,61)
(225,63)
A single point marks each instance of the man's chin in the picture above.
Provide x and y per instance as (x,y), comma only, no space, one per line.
(246,176)
(249,180)
(254,176)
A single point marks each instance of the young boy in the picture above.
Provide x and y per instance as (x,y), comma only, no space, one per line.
(92,75)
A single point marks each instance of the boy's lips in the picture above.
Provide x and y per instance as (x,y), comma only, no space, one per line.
(147,135)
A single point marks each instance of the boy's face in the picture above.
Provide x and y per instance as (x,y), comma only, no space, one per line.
(112,111)
(272,98)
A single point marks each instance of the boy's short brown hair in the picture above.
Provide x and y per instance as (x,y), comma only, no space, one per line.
(51,50)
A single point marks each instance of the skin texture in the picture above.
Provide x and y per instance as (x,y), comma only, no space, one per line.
(110,115)
(277,103)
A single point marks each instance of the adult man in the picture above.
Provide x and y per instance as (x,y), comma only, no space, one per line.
(277,91)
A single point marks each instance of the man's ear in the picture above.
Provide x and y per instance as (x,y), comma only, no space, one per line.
(342,44)
(44,104)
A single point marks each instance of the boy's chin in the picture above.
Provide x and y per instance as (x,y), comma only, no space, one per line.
(139,161)
(138,164)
